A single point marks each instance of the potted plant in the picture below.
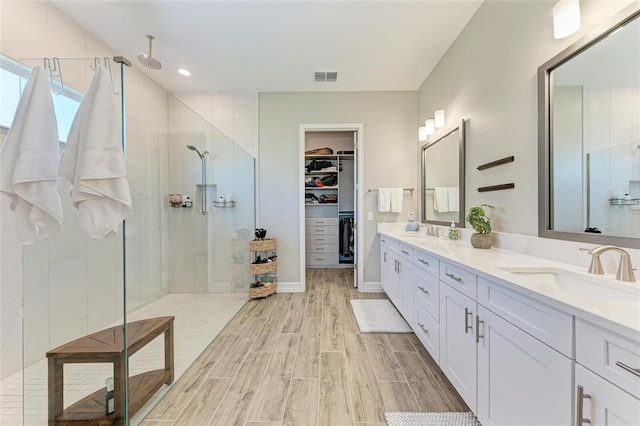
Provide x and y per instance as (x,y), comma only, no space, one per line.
(481,223)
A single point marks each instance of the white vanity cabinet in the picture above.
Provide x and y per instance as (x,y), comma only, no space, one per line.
(607,385)
(396,275)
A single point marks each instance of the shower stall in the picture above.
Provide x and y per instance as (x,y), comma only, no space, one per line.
(184,260)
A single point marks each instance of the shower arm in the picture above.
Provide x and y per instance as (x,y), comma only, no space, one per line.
(204,158)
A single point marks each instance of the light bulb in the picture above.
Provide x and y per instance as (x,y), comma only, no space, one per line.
(422,133)
(566,18)
(439,118)
(430,125)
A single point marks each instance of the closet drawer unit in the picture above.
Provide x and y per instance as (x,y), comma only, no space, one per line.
(549,325)
(322,239)
(322,248)
(610,355)
(321,221)
(427,262)
(321,259)
(427,291)
(459,278)
(322,230)
(428,331)
(406,252)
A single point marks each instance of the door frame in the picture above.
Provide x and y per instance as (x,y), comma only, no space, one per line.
(359,214)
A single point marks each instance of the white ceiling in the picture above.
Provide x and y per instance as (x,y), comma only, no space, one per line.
(268,46)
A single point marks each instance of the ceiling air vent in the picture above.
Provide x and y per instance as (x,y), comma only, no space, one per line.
(325,76)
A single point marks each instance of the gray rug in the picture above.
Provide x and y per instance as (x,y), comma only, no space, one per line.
(431,419)
(378,316)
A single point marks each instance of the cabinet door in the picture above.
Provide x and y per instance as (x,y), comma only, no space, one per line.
(458,343)
(405,280)
(603,404)
(389,276)
(521,381)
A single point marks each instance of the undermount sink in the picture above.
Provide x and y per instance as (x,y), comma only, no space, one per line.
(591,287)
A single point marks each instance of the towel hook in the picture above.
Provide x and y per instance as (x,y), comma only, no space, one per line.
(96,62)
(107,65)
(52,70)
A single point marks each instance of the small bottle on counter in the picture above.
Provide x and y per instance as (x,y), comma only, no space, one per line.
(188,202)
(627,197)
(109,400)
(454,233)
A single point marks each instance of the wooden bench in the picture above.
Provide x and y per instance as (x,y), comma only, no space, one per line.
(107,346)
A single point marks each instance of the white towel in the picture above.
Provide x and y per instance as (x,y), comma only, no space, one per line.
(396,200)
(94,163)
(441,199)
(454,198)
(384,200)
(29,161)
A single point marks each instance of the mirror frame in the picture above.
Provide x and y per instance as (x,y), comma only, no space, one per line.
(461,177)
(545,140)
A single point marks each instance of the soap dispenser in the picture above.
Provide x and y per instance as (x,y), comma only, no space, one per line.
(453,232)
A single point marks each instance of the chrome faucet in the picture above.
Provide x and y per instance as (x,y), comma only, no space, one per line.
(625,270)
(432,231)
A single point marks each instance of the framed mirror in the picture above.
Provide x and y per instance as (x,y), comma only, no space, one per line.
(442,182)
(589,137)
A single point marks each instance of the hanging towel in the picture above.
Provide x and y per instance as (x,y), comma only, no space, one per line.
(93,161)
(396,200)
(384,200)
(29,161)
(441,199)
(454,198)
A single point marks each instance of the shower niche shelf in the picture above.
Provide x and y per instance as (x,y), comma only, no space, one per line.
(624,201)
(224,203)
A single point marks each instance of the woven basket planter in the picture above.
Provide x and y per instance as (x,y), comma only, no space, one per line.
(481,241)
(264,291)
(262,245)
(263,268)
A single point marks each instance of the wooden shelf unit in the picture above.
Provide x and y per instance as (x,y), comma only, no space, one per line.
(265,246)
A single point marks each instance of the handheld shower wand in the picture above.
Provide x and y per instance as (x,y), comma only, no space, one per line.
(203,159)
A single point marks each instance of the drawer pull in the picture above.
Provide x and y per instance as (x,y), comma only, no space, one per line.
(319,230)
(634,371)
(319,258)
(453,277)
(579,403)
(319,248)
(319,239)
(404,251)
(384,241)
(385,257)
(424,290)
(467,327)
(478,335)
(424,262)
(423,329)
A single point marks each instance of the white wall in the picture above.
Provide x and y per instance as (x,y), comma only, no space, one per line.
(488,76)
(390,146)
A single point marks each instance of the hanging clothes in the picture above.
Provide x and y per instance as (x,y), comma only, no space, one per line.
(346,236)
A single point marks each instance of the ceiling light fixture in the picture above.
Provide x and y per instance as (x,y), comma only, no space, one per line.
(184,71)
(430,126)
(439,118)
(422,133)
(566,18)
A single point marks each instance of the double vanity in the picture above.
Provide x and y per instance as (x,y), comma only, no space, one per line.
(524,340)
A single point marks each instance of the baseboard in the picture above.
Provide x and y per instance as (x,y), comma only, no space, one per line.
(371,287)
(293,287)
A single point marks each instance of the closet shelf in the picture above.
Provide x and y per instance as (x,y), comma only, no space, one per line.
(319,187)
(320,204)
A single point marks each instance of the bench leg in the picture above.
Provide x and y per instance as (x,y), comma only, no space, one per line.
(168,353)
(56,389)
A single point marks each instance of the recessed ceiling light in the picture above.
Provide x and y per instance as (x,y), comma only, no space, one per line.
(184,71)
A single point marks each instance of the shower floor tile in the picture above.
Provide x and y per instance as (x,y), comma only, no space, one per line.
(198,319)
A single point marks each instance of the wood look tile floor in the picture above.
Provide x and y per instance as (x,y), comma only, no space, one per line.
(300,359)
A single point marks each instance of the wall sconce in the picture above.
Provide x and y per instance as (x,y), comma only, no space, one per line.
(430,126)
(422,133)
(439,118)
(566,18)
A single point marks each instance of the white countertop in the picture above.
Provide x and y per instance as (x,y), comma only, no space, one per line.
(621,315)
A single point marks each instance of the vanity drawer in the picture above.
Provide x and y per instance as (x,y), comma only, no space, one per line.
(610,355)
(406,252)
(459,278)
(315,221)
(427,329)
(427,262)
(547,324)
(392,245)
(321,239)
(321,259)
(322,248)
(427,291)
(322,230)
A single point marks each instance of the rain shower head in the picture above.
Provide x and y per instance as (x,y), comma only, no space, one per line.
(193,148)
(148,60)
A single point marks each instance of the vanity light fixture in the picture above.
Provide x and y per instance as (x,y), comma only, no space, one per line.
(430,126)
(422,133)
(184,71)
(439,118)
(566,18)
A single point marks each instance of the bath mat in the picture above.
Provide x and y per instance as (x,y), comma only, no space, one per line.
(431,419)
(378,316)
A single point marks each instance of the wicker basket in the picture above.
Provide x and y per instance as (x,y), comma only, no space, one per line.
(263,268)
(262,245)
(264,291)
